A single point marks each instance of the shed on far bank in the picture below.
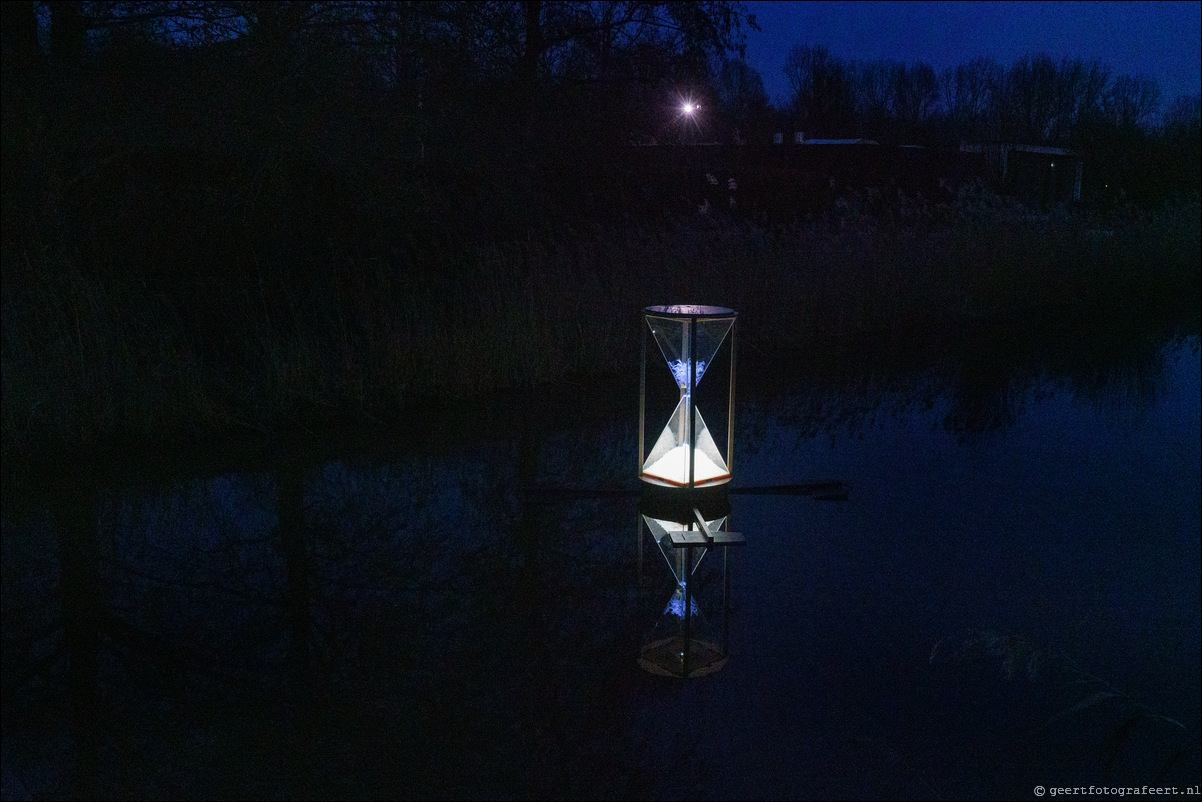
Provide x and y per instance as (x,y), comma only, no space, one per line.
(1038,175)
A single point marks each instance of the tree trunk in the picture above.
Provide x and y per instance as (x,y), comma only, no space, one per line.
(19,29)
(293,541)
(82,604)
(68,34)
(528,66)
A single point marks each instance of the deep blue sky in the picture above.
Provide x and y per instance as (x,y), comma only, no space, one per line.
(1158,39)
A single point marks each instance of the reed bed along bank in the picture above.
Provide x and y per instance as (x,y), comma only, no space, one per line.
(97,360)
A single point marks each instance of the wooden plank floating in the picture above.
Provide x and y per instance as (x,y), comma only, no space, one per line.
(820,491)
(681,540)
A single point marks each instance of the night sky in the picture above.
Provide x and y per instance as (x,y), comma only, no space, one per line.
(1160,40)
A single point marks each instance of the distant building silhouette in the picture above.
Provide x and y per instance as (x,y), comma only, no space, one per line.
(1035,174)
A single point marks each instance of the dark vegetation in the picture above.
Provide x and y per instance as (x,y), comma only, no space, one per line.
(224,217)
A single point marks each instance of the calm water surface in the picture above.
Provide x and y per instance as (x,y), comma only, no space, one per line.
(1008,597)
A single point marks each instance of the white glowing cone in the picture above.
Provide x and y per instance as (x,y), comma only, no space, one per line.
(669,459)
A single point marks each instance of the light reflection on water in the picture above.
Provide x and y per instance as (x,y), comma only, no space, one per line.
(465,621)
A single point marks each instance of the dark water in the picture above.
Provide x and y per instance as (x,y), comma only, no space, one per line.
(1008,597)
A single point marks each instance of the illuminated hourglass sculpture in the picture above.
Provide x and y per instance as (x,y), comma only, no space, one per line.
(695,342)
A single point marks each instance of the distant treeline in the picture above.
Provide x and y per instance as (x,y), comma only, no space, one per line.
(429,56)
(1034,100)
(1130,139)
(510,89)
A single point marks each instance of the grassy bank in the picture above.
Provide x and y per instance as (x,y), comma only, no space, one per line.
(101,359)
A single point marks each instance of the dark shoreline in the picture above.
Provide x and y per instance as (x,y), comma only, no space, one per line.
(99,364)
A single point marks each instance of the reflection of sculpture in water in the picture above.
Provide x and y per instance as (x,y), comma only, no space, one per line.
(683,642)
